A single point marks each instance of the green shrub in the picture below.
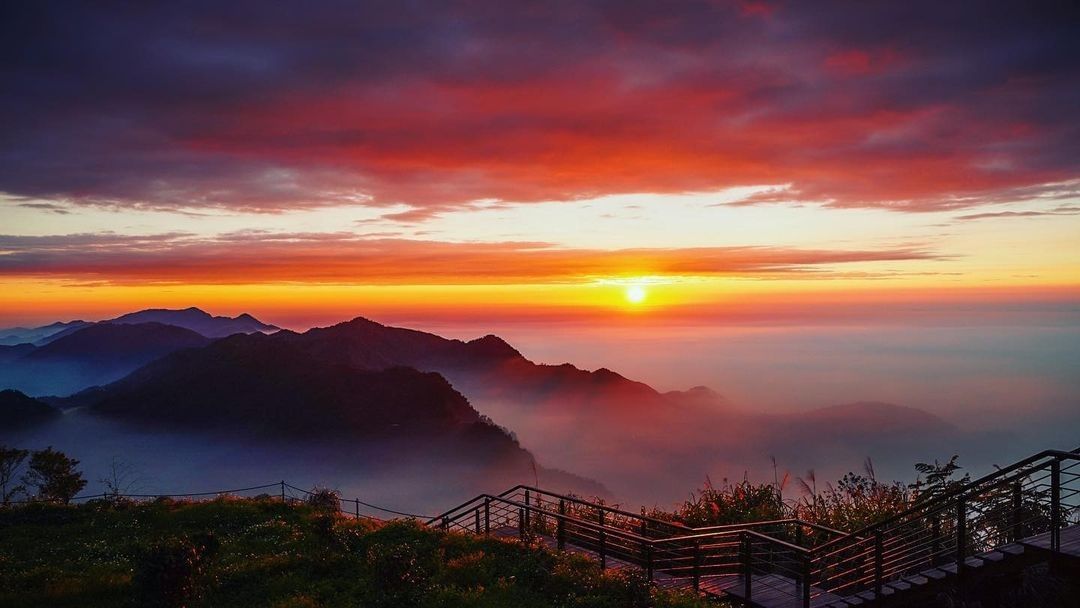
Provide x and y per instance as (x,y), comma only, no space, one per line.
(273,554)
(324,500)
(173,572)
(53,476)
(399,573)
(728,503)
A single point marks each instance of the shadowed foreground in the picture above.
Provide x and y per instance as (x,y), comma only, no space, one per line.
(252,552)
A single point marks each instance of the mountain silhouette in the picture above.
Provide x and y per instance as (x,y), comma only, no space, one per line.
(65,357)
(192,318)
(18,411)
(486,369)
(259,387)
(874,419)
(361,382)
(199,321)
(91,355)
(37,335)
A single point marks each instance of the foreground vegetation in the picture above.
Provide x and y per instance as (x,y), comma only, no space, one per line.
(261,552)
(855,501)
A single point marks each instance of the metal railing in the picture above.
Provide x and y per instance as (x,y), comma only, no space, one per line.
(280,490)
(1039,495)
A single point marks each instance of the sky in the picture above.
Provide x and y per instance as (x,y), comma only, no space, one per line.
(610,162)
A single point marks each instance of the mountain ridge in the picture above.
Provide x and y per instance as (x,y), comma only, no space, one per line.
(18,411)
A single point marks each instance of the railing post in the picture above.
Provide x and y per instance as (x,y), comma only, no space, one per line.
(521,523)
(357,501)
(445,523)
(560,533)
(476,513)
(697,566)
(527,518)
(806,580)
(747,569)
(487,516)
(647,547)
(282,490)
(935,539)
(1055,505)
(1017,512)
(603,542)
(645,528)
(879,562)
(961,534)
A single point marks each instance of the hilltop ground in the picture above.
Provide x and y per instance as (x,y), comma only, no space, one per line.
(251,552)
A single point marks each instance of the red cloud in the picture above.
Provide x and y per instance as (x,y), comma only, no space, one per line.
(585,132)
(257,108)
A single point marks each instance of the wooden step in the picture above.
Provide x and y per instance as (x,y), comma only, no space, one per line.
(936,573)
(992,556)
(916,580)
(1012,549)
(900,585)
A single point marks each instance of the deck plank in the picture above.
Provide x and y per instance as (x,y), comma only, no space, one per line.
(1070,541)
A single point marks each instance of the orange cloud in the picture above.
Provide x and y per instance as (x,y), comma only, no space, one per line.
(344,258)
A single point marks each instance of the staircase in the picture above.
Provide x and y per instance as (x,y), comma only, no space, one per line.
(1026,513)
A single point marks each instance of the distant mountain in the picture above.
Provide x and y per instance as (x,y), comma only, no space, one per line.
(259,387)
(698,396)
(262,386)
(91,355)
(361,381)
(10,353)
(35,335)
(875,419)
(487,368)
(62,358)
(192,318)
(18,411)
(198,321)
(607,426)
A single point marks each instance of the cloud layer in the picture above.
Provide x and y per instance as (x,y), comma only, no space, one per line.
(261,257)
(263,107)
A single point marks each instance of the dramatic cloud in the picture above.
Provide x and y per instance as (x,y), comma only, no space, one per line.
(264,107)
(254,256)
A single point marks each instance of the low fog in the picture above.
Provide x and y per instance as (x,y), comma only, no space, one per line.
(416,478)
(807,398)
(991,392)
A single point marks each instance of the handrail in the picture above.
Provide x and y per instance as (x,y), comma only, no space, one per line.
(662,522)
(738,532)
(447,513)
(789,520)
(944,498)
(861,533)
(577,521)
(861,560)
(631,535)
(609,509)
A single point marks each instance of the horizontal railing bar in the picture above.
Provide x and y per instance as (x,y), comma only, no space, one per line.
(996,476)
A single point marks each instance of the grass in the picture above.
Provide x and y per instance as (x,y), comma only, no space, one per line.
(287,556)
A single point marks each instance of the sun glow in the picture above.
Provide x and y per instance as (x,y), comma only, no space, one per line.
(635,294)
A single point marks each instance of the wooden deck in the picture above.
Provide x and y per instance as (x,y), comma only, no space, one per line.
(1070,541)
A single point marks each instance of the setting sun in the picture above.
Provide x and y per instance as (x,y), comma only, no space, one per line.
(635,294)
